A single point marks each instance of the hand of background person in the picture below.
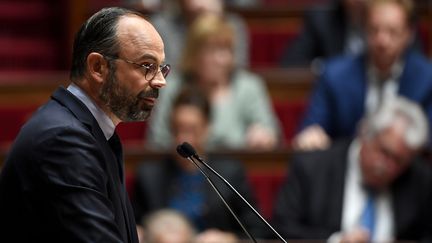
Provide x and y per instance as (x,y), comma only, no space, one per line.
(260,137)
(216,236)
(311,138)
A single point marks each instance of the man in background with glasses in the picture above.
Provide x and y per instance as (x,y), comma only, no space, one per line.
(63,180)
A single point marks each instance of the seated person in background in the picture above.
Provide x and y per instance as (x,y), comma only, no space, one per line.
(329,30)
(373,189)
(167,226)
(174,22)
(176,183)
(243,116)
(352,86)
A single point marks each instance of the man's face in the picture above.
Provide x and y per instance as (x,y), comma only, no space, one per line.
(388,34)
(126,91)
(189,124)
(384,157)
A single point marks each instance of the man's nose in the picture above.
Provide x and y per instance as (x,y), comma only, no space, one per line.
(158,82)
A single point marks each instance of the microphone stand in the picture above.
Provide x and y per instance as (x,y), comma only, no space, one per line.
(187,151)
(238,194)
(222,198)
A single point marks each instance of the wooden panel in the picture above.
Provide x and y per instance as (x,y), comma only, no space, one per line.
(29,88)
(255,161)
(288,84)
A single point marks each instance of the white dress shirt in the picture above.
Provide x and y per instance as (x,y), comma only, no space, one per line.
(105,123)
(354,201)
(379,90)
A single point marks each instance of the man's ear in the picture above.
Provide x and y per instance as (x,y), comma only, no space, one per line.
(97,67)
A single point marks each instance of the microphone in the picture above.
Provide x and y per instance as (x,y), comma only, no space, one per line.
(187,151)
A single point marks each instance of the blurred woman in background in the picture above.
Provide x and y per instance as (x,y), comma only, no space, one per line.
(242,113)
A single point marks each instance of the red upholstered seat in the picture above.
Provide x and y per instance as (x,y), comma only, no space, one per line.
(267,45)
(132,132)
(12,118)
(290,114)
(266,186)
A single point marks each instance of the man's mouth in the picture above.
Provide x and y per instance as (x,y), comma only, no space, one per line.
(149,100)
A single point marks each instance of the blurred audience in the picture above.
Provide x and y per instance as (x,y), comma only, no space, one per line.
(174,22)
(372,189)
(167,226)
(352,86)
(330,30)
(174,182)
(243,116)
(155,5)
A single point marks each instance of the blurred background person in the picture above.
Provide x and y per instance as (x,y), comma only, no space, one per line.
(174,21)
(167,226)
(242,113)
(330,30)
(174,182)
(372,189)
(352,86)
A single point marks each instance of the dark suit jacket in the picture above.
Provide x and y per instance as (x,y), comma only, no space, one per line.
(62,182)
(156,178)
(309,205)
(338,100)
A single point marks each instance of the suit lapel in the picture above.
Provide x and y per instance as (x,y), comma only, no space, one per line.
(114,162)
(336,186)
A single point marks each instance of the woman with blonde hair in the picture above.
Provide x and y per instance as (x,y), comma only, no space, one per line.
(242,113)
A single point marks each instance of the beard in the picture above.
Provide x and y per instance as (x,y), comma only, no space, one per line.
(123,103)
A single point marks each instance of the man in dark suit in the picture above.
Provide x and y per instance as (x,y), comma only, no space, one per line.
(174,182)
(63,180)
(373,189)
(352,86)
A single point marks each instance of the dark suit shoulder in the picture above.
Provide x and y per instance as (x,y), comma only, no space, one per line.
(343,64)
(156,171)
(226,166)
(418,63)
(421,170)
(323,14)
(322,160)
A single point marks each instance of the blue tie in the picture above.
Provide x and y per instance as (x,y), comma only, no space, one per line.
(368,215)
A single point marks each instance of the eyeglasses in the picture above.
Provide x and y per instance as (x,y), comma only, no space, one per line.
(150,69)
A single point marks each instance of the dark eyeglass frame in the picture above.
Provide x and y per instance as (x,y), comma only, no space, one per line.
(150,71)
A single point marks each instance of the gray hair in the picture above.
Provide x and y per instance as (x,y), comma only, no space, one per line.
(392,110)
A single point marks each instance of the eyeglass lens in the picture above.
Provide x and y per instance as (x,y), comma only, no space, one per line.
(154,69)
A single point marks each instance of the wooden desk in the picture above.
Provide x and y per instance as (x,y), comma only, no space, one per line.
(254,161)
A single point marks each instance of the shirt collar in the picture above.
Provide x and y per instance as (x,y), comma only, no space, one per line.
(105,123)
(395,72)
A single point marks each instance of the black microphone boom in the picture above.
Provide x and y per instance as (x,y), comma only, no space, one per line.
(187,151)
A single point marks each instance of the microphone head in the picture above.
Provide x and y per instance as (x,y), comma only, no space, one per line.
(181,151)
(186,150)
